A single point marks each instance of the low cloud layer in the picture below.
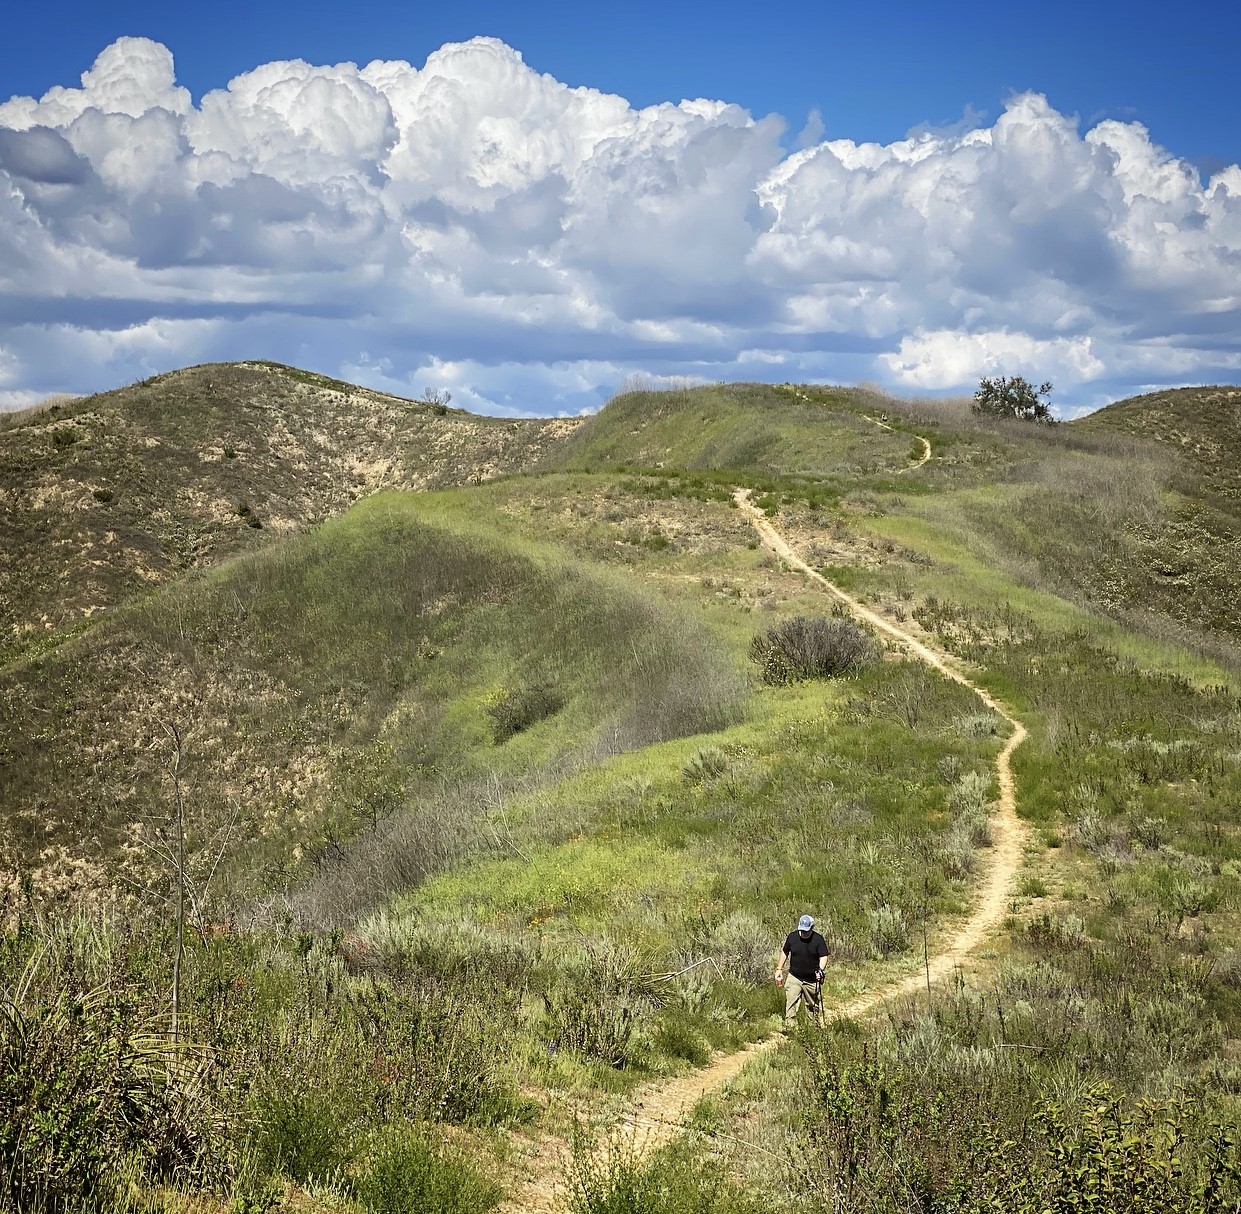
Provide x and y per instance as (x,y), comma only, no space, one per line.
(477,226)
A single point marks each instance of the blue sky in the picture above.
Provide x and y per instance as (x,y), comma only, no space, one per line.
(575,241)
(873,70)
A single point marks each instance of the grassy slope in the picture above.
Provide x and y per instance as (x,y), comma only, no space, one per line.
(1186,561)
(329,680)
(111,495)
(752,428)
(850,798)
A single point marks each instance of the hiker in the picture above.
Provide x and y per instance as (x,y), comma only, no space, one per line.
(805,954)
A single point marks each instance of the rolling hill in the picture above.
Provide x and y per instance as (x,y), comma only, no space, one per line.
(494,827)
(109,496)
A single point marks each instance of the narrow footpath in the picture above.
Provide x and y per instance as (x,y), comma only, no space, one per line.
(878,421)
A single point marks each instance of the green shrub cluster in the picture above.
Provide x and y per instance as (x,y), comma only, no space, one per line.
(284,1068)
(812,648)
(520,707)
(96,1095)
(678,1180)
(894,1138)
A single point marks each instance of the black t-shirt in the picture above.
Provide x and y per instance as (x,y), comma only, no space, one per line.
(804,954)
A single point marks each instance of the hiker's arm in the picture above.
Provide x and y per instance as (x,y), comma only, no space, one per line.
(784,959)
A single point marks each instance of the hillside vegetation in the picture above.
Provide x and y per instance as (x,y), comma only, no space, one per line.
(384,660)
(751,427)
(108,496)
(495,828)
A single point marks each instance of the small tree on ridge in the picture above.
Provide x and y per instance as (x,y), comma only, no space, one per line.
(1013,396)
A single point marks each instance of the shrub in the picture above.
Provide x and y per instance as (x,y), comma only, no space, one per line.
(812,648)
(677,1038)
(889,932)
(90,1100)
(705,764)
(304,1132)
(1092,832)
(102,495)
(977,725)
(956,856)
(743,947)
(596,1004)
(1051,932)
(677,1180)
(1151,833)
(596,1024)
(519,708)
(971,794)
(410,1172)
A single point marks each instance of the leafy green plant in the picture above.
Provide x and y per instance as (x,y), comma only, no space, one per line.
(305,1133)
(594,1023)
(677,1038)
(678,1180)
(706,764)
(889,930)
(520,707)
(94,1091)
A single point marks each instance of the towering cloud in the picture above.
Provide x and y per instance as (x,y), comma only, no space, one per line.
(476,225)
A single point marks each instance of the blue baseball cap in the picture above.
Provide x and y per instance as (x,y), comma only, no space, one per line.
(805,923)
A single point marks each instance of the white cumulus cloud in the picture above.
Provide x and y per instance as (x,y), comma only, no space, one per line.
(527,244)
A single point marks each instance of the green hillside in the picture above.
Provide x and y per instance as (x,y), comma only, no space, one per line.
(495,827)
(757,428)
(389,658)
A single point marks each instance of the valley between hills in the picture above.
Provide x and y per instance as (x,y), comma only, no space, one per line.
(403,810)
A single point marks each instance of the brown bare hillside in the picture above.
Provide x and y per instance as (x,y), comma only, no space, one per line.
(106,497)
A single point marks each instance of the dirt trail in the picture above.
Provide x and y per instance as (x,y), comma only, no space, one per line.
(658,1114)
(926,445)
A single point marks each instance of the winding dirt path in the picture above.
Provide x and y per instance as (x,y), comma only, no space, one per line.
(658,1114)
(926,445)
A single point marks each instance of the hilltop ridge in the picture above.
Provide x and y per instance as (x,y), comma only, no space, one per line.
(1201,424)
(110,495)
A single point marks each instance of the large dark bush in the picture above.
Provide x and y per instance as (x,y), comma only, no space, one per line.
(812,648)
(522,707)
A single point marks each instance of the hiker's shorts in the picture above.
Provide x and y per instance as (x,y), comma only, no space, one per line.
(797,993)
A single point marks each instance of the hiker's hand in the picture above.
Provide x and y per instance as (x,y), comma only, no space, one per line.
(779,978)
(818,975)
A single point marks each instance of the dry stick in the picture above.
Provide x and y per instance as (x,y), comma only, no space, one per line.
(677,973)
(179,802)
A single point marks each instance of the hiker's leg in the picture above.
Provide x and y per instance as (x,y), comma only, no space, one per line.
(792,999)
(812,997)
